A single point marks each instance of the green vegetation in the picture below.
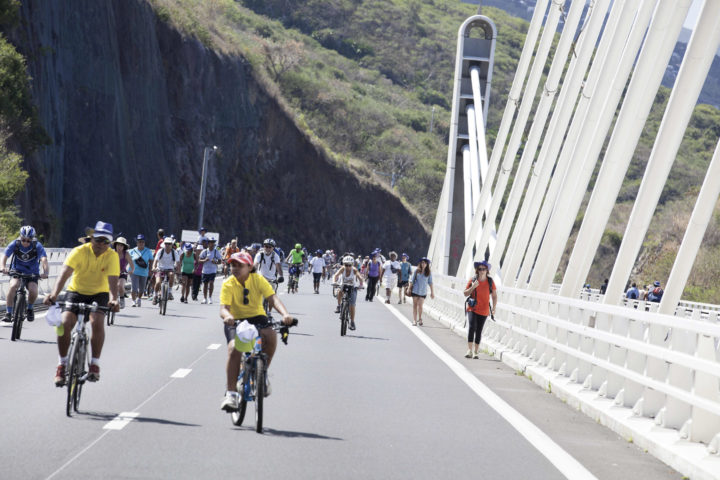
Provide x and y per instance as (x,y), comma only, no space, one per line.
(361,78)
(18,123)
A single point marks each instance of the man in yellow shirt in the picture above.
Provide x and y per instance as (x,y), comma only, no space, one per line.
(241,298)
(95,268)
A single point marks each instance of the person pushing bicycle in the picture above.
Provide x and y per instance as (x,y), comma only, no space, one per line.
(241,298)
(94,268)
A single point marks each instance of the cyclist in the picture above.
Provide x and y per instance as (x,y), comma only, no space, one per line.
(165,261)
(142,259)
(27,254)
(229,249)
(350,276)
(94,268)
(161,239)
(295,257)
(126,266)
(241,298)
(210,259)
(267,262)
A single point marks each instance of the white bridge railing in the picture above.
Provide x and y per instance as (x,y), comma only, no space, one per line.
(663,367)
(56,257)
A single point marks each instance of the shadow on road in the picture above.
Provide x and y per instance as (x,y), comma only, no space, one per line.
(288,434)
(41,342)
(116,325)
(368,338)
(107,416)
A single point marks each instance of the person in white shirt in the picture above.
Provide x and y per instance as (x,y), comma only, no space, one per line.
(166,261)
(268,263)
(317,267)
(210,259)
(389,273)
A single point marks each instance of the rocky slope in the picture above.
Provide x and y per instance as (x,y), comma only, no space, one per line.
(130,103)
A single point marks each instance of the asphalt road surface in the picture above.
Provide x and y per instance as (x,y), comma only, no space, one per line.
(387,401)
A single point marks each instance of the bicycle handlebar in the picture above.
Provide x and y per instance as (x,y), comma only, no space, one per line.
(93,307)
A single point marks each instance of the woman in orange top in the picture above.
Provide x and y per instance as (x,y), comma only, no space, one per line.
(479,289)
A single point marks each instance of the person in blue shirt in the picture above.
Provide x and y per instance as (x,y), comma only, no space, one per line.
(142,258)
(26,255)
(405,270)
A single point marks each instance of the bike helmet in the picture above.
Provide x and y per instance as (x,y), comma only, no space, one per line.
(269,241)
(298,246)
(348,260)
(27,232)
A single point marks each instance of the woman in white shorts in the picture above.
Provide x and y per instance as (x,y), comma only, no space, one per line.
(389,274)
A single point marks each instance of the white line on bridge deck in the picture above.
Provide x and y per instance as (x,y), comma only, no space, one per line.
(121,421)
(213,346)
(562,460)
(181,373)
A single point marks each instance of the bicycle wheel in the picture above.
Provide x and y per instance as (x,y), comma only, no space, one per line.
(163,298)
(82,370)
(18,317)
(343,319)
(72,374)
(260,393)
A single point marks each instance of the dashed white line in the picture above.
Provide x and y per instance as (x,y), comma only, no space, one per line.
(121,421)
(213,346)
(561,459)
(181,373)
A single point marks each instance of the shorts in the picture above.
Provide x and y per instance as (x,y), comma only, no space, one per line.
(419,296)
(317,276)
(390,282)
(102,300)
(402,283)
(260,322)
(32,279)
(208,277)
(188,275)
(138,283)
(353,296)
(159,275)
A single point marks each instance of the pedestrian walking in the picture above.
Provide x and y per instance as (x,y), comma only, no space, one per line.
(373,274)
(142,258)
(197,272)
(418,287)
(127,265)
(389,273)
(405,270)
(479,289)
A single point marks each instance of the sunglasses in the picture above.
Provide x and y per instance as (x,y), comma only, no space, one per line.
(246,292)
(101,240)
(25,240)
(267,246)
(482,269)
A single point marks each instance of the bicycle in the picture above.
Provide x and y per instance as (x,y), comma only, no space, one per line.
(294,277)
(110,318)
(252,379)
(345,306)
(78,364)
(20,303)
(266,304)
(164,291)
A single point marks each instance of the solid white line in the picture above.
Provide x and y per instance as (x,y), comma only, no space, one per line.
(121,421)
(78,455)
(561,459)
(181,373)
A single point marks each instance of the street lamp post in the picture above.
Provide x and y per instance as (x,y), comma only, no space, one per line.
(206,157)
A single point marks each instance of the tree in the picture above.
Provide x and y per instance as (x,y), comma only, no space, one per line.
(282,57)
(12,182)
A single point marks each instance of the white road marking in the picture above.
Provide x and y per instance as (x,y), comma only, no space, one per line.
(213,346)
(181,373)
(561,459)
(119,422)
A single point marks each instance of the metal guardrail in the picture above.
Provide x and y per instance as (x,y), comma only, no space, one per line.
(56,257)
(663,367)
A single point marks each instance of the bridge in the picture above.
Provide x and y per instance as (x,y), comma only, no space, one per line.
(396,401)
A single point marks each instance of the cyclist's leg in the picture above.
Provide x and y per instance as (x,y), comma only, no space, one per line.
(68,323)
(353,300)
(171,278)
(232,368)
(97,322)
(10,297)
(269,343)
(32,292)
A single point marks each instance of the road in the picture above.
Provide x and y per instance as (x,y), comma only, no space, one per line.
(386,401)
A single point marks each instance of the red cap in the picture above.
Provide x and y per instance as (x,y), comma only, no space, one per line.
(241,257)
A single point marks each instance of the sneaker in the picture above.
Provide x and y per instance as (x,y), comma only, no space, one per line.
(204,301)
(182,299)
(170,296)
(30,315)
(7,318)
(468,354)
(134,304)
(230,402)
(387,301)
(337,309)
(122,302)
(94,373)
(60,376)
(139,301)
(475,356)
(210,300)
(352,325)
(155,300)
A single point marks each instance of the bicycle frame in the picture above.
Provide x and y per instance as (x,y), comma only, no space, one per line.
(19,303)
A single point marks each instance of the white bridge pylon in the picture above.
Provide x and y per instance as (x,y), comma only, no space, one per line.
(602,78)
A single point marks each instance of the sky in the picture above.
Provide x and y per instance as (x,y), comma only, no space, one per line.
(693,13)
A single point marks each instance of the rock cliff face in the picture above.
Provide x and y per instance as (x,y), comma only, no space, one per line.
(130,103)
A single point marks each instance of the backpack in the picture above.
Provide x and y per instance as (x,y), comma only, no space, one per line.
(272,259)
(140,261)
(632,294)
(162,252)
(17,254)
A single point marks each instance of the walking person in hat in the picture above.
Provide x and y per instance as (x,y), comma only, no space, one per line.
(479,289)
(126,266)
(419,283)
(142,260)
